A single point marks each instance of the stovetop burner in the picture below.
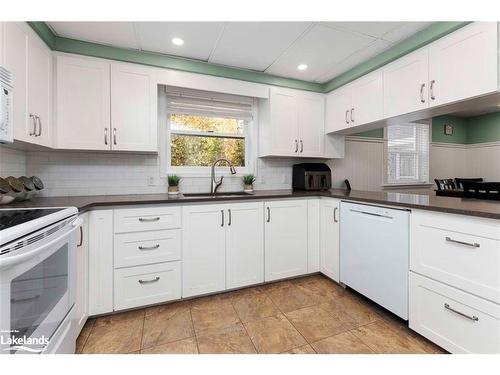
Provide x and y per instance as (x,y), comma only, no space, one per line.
(10,218)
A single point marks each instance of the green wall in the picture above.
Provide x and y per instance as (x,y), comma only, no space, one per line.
(478,129)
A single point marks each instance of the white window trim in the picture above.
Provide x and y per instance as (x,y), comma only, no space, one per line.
(251,135)
(387,185)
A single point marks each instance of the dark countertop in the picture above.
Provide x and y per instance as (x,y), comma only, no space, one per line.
(462,206)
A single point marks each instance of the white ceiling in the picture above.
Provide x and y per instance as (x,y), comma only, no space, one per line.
(328,48)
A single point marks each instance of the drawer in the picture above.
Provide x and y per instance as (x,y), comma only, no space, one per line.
(457,321)
(461,251)
(140,248)
(149,218)
(146,285)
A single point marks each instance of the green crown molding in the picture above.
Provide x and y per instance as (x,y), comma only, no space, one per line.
(433,32)
(61,44)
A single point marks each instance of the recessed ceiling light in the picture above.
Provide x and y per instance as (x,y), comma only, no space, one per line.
(302,67)
(177,41)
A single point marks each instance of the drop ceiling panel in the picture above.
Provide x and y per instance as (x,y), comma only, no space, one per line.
(199,37)
(355,59)
(374,29)
(320,48)
(118,34)
(256,45)
(405,31)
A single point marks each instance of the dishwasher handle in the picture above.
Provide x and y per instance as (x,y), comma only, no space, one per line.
(371,214)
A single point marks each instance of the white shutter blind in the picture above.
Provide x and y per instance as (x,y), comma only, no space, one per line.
(408,153)
(206,103)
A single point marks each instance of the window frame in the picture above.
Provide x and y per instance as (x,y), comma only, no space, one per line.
(166,168)
(386,183)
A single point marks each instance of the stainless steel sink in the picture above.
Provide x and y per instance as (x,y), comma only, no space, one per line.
(218,195)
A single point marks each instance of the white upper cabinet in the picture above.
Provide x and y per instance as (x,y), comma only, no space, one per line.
(244,244)
(464,64)
(133,108)
(286,252)
(338,108)
(292,123)
(83,104)
(311,133)
(367,99)
(40,89)
(406,84)
(16,61)
(30,61)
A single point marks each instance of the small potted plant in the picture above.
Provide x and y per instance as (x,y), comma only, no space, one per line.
(248,181)
(173,184)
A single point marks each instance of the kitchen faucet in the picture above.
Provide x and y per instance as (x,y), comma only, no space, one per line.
(214,184)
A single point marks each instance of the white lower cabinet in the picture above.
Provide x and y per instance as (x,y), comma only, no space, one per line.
(204,255)
(244,244)
(330,238)
(455,320)
(100,262)
(313,230)
(82,269)
(285,239)
(146,285)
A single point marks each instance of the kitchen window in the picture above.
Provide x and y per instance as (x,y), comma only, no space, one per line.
(203,126)
(407,154)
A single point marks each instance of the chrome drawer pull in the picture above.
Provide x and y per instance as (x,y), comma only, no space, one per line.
(149,247)
(473,317)
(470,244)
(149,281)
(146,219)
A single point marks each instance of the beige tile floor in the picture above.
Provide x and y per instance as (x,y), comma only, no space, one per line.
(302,316)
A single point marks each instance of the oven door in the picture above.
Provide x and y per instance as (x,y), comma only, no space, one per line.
(37,290)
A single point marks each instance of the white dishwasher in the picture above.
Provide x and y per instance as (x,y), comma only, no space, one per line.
(374,251)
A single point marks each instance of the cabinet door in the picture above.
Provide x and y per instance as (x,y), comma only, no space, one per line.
(133,108)
(329,238)
(16,61)
(338,107)
(244,244)
(83,104)
(40,89)
(100,262)
(313,230)
(284,122)
(464,64)
(285,239)
(406,84)
(203,263)
(367,99)
(82,264)
(311,125)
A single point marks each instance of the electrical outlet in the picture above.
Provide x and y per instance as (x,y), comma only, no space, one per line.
(151,181)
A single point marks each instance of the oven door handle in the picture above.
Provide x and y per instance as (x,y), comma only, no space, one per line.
(12,260)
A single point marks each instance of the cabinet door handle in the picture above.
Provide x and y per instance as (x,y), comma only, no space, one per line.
(296,146)
(229,219)
(33,122)
(470,244)
(143,248)
(39,121)
(268,214)
(422,86)
(106,136)
(114,136)
(352,114)
(335,214)
(157,278)
(449,308)
(81,237)
(432,89)
(222,218)
(347,117)
(148,219)
(301,146)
